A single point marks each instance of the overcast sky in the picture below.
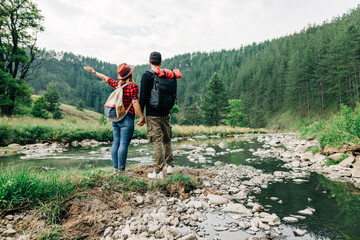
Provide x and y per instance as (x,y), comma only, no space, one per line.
(119,31)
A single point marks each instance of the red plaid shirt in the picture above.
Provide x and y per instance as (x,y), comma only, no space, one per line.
(130,92)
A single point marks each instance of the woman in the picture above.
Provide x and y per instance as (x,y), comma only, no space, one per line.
(123,130)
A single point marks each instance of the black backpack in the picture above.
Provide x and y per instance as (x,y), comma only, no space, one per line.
(163,93)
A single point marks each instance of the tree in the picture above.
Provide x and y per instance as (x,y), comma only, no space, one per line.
(192,115)
(20,22)
(12,92)
(39,108)
(52,96)
(216,101)
(57,112)
(80,105)
(173,113)
(236,115)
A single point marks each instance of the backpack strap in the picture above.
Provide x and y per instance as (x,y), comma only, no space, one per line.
(125,85)
(151,71)
(127,110)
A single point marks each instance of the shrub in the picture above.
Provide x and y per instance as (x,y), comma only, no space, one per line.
(7,133)
(57,112)
(341,129)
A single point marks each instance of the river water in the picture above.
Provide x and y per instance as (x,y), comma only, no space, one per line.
(337,205)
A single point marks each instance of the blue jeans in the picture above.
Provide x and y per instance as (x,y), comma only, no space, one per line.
(123,132)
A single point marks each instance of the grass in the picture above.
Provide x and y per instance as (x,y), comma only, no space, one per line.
(48,192)
(341,129)
(178,179)
(25,130)
(315,149)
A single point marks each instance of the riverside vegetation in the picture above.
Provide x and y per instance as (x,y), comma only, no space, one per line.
(50,194)
(78,125)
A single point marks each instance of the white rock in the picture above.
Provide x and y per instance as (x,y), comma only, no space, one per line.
(223,145)
(299,232)
(108,231)
(9,233)
(238,209)
(152,228)
(125,232)
(257,208)
(194,204)
(355,172)
(301,149)
(306,212)
(347,162)
(139,200)
(210,150)
(163,209)
(189,237)
(295,164)
(233,190)
(290,219)
(216,199)
(220,229)
(336,156)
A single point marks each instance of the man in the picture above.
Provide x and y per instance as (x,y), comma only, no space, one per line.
(157,122)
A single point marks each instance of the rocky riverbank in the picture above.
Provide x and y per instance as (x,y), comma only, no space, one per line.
(298,155)
(223,192)
(226,193)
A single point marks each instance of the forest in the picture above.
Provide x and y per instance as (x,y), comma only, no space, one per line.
(310,73)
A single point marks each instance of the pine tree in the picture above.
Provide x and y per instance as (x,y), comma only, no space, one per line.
(39,108)
(215,103)
(236,115)
(192,115)
(52,96)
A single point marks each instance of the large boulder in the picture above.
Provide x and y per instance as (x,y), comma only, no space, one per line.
(301,149)
(336,156)
(216,199)
(347,162)
(238,209)
(355,171)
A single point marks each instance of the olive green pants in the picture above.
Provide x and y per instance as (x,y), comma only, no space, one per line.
(159,134)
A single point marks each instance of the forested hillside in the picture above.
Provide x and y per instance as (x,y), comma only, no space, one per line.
(306,73)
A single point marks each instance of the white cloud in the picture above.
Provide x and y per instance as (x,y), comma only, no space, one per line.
(127,31)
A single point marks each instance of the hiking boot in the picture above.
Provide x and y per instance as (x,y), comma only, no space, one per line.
(170,170)
(155,175)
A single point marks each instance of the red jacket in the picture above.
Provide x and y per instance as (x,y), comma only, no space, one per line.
(168,73)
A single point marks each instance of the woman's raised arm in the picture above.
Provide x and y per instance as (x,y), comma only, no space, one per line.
(100,75)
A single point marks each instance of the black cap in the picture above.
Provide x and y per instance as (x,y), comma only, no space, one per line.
(155,58)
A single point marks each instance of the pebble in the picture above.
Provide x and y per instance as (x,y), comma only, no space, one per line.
(299,232)
(9,233)
(290,219)
(9,217)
